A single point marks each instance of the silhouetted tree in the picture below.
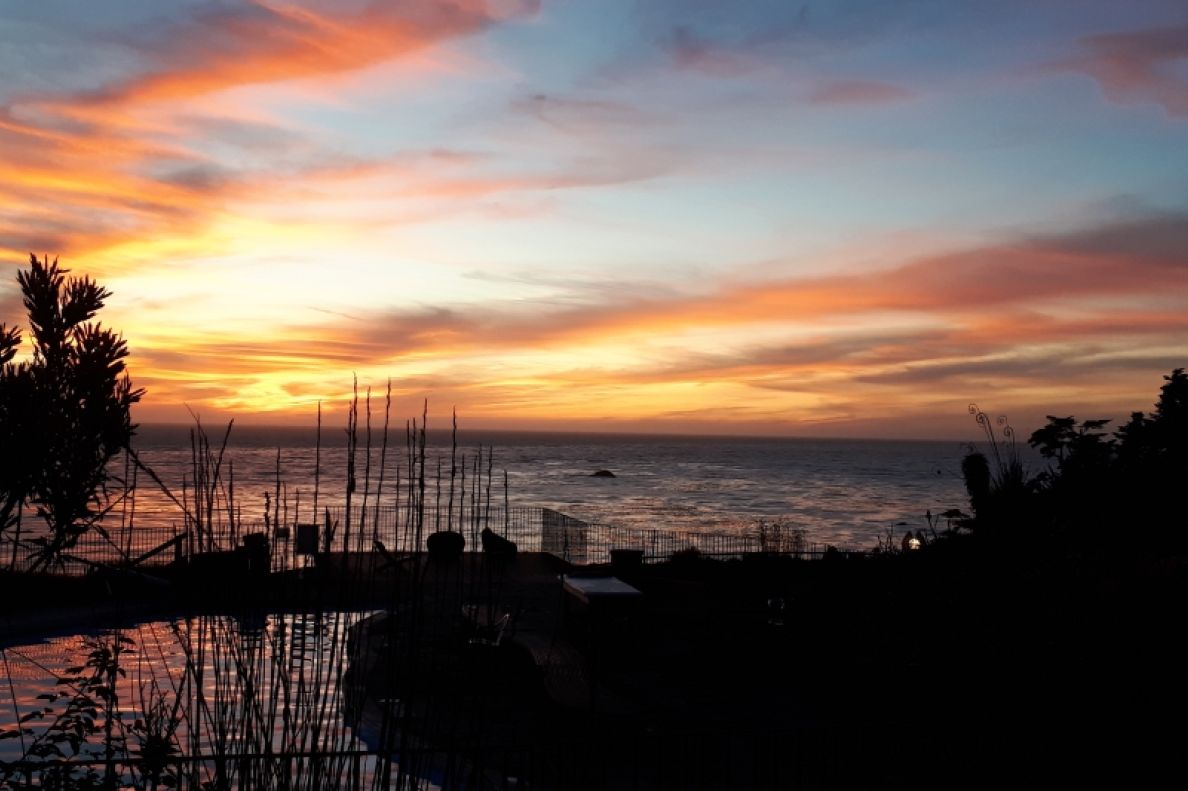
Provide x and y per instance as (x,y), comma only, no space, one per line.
(1134,442)
(1098,486)
(1083,453)
(1065,440)
(1152,463)
(66,411)
(1169,424)
(1074,493)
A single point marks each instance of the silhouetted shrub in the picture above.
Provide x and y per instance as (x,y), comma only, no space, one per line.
(1001,493)
(1098,487)
(64,413)
(15,427)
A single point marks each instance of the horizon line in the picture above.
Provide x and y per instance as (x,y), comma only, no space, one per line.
(621,433)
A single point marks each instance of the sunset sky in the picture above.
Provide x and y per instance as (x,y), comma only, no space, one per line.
(835,218)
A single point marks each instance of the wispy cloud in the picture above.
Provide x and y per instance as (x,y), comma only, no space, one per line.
(1139,66)
(86,169)
(1022,368)
(283,193)
(858,92)
(1041,311)
(1141,259)
(221,46)
(579,115)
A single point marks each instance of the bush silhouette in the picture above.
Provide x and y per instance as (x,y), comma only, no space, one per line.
(1098,486)
(66,412)
(15,396)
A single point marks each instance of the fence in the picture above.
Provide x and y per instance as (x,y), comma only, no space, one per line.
(400,529)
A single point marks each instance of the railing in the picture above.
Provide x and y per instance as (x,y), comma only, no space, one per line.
(400,529)
(142,547)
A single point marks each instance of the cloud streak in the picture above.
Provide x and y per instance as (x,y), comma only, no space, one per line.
(1139,66)
(969,322)
(84,170)
(675,210)
(221,47)
(858,92)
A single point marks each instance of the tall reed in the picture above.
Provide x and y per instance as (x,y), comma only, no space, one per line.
(257,698)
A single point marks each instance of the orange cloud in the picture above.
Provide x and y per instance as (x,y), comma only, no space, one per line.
(266,42)
(1045,314)
(1136,258)
(133,176)
(84,170)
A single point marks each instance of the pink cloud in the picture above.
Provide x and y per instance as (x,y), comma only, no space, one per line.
(1147,65)
(844,92)
(690,51)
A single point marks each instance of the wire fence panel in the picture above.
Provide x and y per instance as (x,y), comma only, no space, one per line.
(397,529)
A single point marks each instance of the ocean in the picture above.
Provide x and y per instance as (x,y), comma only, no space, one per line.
(839,491)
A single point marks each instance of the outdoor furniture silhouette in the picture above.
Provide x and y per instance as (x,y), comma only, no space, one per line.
(445,545)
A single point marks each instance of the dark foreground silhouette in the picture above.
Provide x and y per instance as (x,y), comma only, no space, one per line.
(956,664)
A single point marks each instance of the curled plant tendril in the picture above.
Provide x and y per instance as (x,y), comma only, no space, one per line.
(1001,443)
(981,417)
(983,420)
(1006,429)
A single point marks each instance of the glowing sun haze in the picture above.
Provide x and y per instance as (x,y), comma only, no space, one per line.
(834,218)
